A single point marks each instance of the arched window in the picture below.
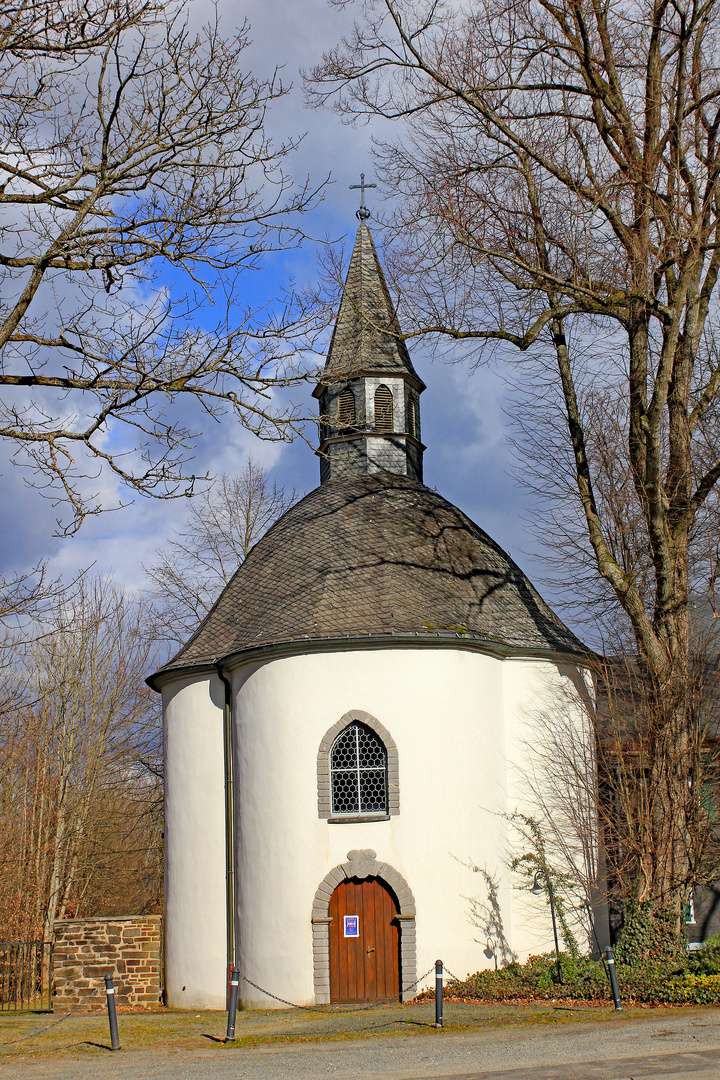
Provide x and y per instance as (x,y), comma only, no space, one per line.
(358,772)
(386,760)
(383,409)
(412,418)
(346,408)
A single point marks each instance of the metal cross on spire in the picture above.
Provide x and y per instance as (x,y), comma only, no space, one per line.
(363,213)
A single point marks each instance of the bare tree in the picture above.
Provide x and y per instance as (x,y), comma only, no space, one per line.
(559,176)
(73,737)
(136,185)
(627,778)
(221,526)
(21,595)
(32,27)
(560,825)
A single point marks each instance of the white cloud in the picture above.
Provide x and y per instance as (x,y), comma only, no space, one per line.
(468,456)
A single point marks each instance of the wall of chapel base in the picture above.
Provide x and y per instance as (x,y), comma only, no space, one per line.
(195,898)
(463,723)
(550,777)
(447,713)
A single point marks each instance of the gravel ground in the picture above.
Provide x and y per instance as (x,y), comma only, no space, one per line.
(395,1043)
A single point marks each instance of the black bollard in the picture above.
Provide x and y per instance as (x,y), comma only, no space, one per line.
(438,993)
(112,1014)
(232,1006)
(613,978)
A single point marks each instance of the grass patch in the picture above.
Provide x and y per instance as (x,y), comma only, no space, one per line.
(81,1036)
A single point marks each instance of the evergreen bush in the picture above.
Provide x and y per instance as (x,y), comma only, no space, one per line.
(677,980)
(706,961)
(649,935)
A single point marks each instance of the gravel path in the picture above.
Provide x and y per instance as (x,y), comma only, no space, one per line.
(682,1044)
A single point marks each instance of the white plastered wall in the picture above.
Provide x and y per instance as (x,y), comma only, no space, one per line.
(195,899)
(446,711)
(550,753)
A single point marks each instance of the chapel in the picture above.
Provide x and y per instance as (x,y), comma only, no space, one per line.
(347,731)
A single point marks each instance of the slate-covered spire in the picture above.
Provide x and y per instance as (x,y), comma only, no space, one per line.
(369,392)
(366,333)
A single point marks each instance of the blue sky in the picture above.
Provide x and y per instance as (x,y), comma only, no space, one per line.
(468,457)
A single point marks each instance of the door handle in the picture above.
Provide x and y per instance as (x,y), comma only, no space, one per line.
(370,949)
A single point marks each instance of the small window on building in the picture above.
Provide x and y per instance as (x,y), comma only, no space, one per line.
(383,409)
(412,418)
(346,409)
(358,772)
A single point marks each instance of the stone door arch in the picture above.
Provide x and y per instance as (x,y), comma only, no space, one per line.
(363,864)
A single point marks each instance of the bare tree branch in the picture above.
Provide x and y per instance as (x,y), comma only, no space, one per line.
(191,570)
(557,183)
(137,185)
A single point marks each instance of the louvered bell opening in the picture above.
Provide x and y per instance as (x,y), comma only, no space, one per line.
(346,410)
(412,419)
(383,409)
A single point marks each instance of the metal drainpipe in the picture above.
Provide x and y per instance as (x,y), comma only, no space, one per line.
(229,821)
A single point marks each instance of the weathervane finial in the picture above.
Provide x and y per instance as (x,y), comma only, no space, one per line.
(363,213)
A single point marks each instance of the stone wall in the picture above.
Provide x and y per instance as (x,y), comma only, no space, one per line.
(85,950)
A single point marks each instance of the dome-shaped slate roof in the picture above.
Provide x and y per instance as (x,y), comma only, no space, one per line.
(372,556)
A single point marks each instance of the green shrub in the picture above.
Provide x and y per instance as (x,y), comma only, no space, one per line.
(534,980)
(694,980)
(706,961)
(649,935)
(698,989)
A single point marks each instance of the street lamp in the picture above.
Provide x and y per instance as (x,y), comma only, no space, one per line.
(537,890)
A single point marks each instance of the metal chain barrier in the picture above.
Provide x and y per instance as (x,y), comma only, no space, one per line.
(385,1001)
(55,1023)
(333,1006)
(563,991)
(283,1001)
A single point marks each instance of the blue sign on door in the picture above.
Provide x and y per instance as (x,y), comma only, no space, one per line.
(351,926)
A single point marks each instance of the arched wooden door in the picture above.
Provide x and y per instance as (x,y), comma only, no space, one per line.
(364,942)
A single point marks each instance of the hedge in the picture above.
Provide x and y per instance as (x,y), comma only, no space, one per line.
(692,980)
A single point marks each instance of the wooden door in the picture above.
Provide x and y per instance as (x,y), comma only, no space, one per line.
(364,942)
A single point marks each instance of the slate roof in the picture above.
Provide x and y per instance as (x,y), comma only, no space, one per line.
(375,555)
(365,338)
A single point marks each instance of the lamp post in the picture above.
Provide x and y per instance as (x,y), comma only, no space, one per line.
(538,890)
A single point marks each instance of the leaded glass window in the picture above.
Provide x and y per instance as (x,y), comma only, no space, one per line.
(358,772)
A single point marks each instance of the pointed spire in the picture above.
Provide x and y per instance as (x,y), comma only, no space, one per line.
(366,336)
(369,392)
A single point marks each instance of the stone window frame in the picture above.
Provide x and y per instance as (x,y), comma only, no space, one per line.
(363,864)
(323,769)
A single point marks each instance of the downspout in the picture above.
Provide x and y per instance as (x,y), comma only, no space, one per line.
(229,820)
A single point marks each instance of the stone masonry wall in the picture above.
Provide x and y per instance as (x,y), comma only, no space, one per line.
(85,950)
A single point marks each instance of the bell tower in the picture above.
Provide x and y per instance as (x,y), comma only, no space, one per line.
(369,393)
